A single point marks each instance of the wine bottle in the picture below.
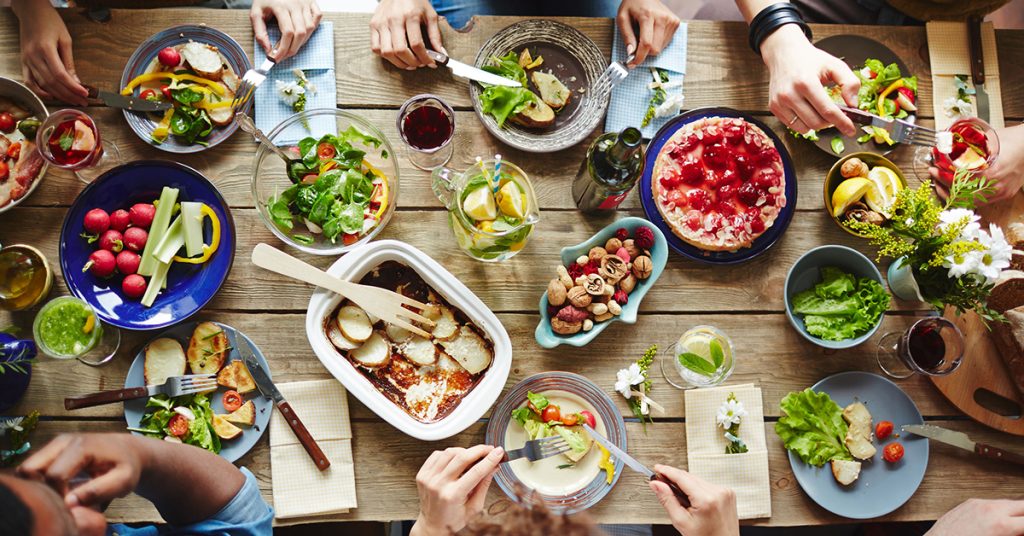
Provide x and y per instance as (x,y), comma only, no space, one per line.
(614,162)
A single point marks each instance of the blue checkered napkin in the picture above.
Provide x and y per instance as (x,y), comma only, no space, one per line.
(316,59)
(632,96)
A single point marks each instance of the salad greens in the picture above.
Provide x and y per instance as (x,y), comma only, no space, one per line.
(536,428)
(881,89)
(507,66)
(813,427)
(160,409)
(841,306)
(500,101)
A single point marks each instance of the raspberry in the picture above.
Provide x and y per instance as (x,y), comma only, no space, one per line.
(575,270)
(644,238)
(592,267)
(621,233)
(620,297)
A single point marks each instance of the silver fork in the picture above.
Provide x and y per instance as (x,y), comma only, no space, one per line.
(615,73)
(174,386)
(538,449)
(899,130)
(250,81)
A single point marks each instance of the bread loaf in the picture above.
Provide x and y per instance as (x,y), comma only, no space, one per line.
(1015,236)
(1009,339)
(1008,292)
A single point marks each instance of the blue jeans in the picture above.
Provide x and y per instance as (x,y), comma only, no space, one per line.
(458,12)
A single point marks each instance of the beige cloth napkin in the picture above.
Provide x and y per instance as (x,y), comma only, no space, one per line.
(746,473)
(950,55)
(301,491)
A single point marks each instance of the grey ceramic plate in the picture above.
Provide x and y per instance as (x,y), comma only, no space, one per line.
(882,486)
(569,55)
(232,449)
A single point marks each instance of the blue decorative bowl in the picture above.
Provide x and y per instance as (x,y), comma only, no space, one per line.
(189,286)
(763,242)
(547,338)
(806,272)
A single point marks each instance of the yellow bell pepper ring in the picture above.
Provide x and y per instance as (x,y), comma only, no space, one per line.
(159,133)
(208,250)
(885,93)
(149,77)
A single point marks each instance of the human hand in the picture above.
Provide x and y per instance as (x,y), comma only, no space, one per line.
(657,27)
(297,19)
(713,508)
(452,486)
(395,33)
(798,73)
(47,63)
(1008,170)
(979,516)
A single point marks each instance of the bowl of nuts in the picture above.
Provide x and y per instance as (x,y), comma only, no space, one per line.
(600,281)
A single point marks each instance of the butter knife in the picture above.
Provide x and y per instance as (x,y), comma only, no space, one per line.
(128,102)
(468,71)
(961,440)
(978,67)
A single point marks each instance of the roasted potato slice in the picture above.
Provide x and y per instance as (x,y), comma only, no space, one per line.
(354,323)
(207,349)
(397,334)
(419,351)
(374,353)
(469,349)
(445,325)
(338,339)
(164,358)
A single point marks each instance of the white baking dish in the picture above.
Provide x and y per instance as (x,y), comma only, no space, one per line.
(353,267)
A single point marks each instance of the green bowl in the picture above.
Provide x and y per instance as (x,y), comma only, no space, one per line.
(834,177)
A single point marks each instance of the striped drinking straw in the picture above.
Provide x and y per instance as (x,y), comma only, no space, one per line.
(496,180)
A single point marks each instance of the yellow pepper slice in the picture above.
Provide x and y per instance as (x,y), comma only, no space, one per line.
(149,77)
(159,133)
(606,464)
(885,93)
(384,189)
(208,250)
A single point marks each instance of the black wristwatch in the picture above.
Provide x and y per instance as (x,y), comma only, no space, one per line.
(772,18)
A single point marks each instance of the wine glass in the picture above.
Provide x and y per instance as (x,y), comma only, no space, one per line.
(975,148)
(932,346)
(426,124)
(69,139)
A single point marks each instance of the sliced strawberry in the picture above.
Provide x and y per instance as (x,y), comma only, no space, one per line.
(691,172)
(698,199)
(711,135)
(693,220)
(748,194)
(744,167)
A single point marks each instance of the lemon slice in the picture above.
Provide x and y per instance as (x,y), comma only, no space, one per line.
(479,204)
(511,200)
(886,186)
(970,159)
(849,192)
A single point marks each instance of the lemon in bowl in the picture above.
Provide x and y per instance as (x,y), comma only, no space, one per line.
(862,187)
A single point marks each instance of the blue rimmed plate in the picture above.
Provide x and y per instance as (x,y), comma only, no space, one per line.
(189,286)
(609,422)
(140,60)
(882,486)
(231,449)
(763,242)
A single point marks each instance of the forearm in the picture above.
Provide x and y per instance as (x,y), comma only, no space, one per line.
(750,8)
(21,7)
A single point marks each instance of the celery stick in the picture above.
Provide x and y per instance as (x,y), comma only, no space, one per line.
(156,283)
(161,220)
(192,222)
(172,241)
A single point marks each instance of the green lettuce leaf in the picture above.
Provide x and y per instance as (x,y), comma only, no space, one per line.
(507,66)
(841,306)
(501,101)
(539,401)
(575,438)
(813,427)
(537,430)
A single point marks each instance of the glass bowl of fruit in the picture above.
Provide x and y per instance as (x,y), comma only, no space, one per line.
(338,187)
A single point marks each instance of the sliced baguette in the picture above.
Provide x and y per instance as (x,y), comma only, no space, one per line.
(245,415)
(858,435)
(225,114)
(845,471)
(537,114)
(207,349)
(235,375)
(164,358)
(552,91)
(204,59)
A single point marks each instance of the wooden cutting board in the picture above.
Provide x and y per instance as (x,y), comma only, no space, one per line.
(982,368)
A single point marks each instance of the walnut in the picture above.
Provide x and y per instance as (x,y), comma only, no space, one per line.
(582,260)
(613,268)
(854,167)
(556,292)
(594,285)
(562,327)
(613,244)
(642,267)
(571,314)
(564,277)
(588,325)
(628,283)
(603,317)
(597,253)
(631,248)
(598,309)
(614,308)
(578,297)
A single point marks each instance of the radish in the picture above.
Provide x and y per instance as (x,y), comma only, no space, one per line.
(142,214)
(119,220)
(128,262)
(134,286)
(169,57)
(101,263)
(135,238)
(905,99)
(112,241)
(96,221)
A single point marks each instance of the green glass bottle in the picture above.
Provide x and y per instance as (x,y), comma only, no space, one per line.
(614,162)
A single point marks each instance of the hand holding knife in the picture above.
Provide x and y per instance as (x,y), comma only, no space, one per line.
(961,440)
(637,466)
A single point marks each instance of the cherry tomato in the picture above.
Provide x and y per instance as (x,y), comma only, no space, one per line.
(589,418)
(166,90)
(571,420)
(4,170)
(7,122)
(325,151)
(883,430)
(149,95)
(352,238)
(232,400)
(892,453)
(14,151)
(309,179)
(178,425)
(551,413)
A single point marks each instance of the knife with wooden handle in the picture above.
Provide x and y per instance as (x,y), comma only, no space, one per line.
(978,67)
(960,440)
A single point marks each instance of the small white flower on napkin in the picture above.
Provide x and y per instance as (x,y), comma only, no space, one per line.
(627,378)
(290,91)
(730,413)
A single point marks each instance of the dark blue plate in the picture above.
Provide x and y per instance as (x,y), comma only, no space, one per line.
(189,286)
(764,241)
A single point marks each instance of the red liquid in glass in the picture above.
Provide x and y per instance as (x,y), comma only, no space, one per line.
(926,347)
(967,137)
(72,155)
(427,128)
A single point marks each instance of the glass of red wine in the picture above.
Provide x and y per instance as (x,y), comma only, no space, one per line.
(69,139)
(933,346)
(426,124)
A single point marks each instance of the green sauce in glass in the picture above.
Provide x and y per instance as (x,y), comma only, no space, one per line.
(67,327)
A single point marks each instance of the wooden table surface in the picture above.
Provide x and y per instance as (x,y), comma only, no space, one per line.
(745,301)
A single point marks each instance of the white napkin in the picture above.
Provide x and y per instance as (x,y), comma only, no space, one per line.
(949,52)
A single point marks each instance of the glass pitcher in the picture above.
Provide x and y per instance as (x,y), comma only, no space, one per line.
(491,219)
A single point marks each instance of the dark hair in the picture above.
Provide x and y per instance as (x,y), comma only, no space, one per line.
(527,517)
(15,517)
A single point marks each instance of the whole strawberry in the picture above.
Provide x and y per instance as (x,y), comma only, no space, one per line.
(644,238)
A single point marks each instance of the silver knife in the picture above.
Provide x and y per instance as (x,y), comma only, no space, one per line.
(468,71)
(978,67)
(128,102)
(637,466)
(961,440)
(269,390)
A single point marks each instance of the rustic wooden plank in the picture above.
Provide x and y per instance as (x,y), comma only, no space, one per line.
(386,463)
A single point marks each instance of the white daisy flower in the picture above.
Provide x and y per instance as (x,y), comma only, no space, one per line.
(997,254)
(954,216)
(290,91)
(672,105)
(626,378)
(960,265)
(730,413)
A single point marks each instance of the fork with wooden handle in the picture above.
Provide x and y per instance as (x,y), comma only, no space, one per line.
(381,303)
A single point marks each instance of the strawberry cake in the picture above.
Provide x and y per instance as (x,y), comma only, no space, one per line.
(719,183)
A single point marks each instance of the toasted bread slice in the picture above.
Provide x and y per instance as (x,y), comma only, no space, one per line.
(537,114)
(858,436)
(354,323)
(204,59)
(552,91)
(845,471)
(375,352)
(224,429)
(469,349)
(235,375)
(575,457)
(445,326)
(164,358)
(208,349)
(245,415)
(222,115)
(419,351)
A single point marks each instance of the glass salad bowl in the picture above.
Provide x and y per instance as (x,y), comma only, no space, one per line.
(315,195)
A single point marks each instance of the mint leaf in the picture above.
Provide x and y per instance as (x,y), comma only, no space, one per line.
(66,139)
(716,353)
(697,363)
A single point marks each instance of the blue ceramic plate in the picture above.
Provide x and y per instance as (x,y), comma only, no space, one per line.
(764,241)
(231,449)
(144,123)
(547,338)
(882,487)
(189,286)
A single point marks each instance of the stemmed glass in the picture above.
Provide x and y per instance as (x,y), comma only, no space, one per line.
(975,148)
(69,139)
(426,124)
(933,346)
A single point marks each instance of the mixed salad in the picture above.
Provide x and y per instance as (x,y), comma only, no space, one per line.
(188,419)
(521,105)
(540,418)
(336,193)
(841,306)
(885,92)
